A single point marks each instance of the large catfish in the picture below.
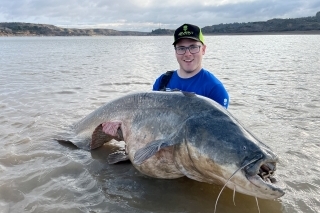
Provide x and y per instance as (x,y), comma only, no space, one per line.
(174,134)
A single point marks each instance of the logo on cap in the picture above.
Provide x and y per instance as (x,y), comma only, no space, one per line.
(185,33)
(185,27)
(188,31)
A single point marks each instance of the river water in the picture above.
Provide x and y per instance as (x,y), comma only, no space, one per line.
(48,83)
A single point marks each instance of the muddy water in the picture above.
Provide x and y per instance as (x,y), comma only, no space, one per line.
(48,83)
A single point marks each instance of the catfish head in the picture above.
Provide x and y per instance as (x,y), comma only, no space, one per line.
(216,148)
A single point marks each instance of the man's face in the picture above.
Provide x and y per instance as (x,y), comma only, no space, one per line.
(190,62)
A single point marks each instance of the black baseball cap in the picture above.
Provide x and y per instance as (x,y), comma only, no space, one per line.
(188,31)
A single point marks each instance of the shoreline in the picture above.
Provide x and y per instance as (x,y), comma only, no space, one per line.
(311,32)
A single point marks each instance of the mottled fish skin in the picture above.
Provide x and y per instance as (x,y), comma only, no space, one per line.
(174,134)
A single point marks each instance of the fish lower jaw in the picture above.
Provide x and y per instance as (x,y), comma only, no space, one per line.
(269,187)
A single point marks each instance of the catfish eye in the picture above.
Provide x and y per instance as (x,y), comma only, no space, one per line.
(244,148)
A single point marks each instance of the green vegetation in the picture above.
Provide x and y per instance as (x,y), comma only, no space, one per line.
(29,29)
(305,24)
(271,26)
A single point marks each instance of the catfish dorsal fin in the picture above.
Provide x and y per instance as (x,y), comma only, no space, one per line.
(188,94)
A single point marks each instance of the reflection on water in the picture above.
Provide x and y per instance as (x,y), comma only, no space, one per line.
(48,83)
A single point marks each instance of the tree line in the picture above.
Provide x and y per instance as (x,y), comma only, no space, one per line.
(305,24)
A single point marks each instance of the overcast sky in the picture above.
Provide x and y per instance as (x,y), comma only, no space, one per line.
(146,15)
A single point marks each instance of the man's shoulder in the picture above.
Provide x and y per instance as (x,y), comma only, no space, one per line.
(207,72)
(209,76)
(162,81)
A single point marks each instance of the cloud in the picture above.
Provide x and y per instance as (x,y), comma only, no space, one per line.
(145,15)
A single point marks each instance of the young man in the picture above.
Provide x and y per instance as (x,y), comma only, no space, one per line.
(191,77)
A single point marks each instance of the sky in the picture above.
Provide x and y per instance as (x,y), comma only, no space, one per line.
(147,15)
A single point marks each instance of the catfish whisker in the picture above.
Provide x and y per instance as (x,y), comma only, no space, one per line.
(215,206)
(234,195)
(257,204)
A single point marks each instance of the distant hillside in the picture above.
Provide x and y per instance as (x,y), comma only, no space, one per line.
(271,26)
(305,24)
(29,29)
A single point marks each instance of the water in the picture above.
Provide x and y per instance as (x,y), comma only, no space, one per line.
(48,83)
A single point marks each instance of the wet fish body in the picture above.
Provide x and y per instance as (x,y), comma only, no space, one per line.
(174,134)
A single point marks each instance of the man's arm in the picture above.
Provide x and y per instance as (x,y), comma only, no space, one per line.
(219,94)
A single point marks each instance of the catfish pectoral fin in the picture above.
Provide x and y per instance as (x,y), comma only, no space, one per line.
(149,150)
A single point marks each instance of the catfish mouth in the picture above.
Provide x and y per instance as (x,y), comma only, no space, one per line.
(267,172)
(262,175)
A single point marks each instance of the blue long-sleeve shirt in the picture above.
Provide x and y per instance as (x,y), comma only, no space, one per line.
(203,83)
